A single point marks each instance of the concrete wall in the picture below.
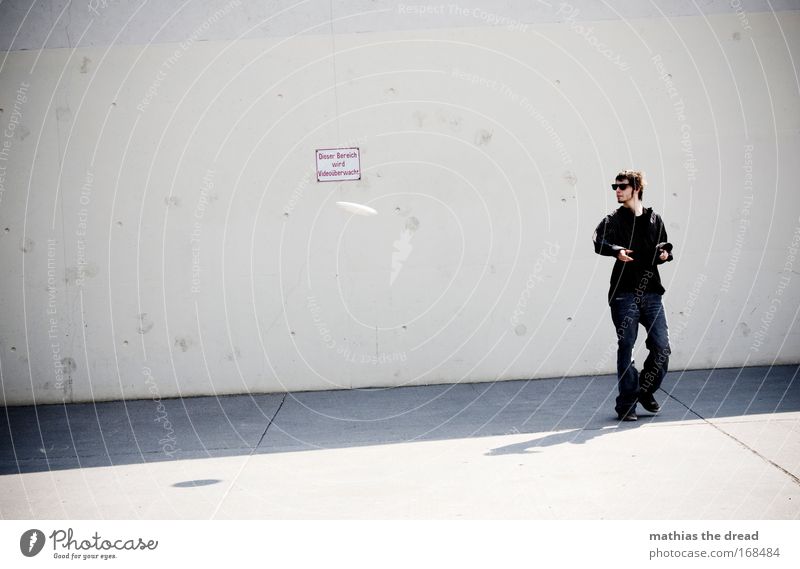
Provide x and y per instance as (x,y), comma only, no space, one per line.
(162,232)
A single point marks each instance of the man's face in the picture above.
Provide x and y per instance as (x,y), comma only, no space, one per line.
(624,190)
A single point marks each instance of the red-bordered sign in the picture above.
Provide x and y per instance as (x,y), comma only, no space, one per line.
(338,164)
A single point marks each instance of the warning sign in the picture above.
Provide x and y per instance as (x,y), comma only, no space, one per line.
(337,164)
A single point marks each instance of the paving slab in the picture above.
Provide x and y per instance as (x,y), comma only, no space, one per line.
(680,471)
(191,488)
(335,419)
(49,437)
(776,437)
(736,392)
(724,446)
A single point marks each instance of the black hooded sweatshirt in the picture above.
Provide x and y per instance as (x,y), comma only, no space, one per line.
(646,236)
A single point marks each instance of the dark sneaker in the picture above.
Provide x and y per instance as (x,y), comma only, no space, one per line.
(630,416)
(649,402)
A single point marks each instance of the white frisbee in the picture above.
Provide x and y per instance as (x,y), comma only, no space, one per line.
(357,208)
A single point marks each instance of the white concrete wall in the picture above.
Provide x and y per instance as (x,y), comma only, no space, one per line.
(162,232)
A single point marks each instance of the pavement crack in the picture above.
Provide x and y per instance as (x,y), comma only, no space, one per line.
(738,441)
(244,464)
(269,424)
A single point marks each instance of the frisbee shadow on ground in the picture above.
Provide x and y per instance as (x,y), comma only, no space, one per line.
(566,410)
(196,483)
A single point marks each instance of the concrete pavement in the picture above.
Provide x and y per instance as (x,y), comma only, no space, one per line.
(726,445)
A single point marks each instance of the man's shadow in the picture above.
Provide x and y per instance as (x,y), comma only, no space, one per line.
(577,436)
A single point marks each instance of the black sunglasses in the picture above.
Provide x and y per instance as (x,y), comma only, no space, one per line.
(616,187)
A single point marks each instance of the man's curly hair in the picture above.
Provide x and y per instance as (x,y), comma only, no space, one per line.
(636,178)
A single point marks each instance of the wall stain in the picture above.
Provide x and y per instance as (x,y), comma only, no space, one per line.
(23,133)
(145,324)
(69,365)
(483,137)
(183,343)
(27,245)
(73,274)
(451,121)
(63,113)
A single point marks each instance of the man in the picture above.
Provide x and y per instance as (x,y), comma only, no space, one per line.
(636,237)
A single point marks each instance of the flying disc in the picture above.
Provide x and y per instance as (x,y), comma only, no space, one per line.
(357,208)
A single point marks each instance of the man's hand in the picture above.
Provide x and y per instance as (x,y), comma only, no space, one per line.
(623,255)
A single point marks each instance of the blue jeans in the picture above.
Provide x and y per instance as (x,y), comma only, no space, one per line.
(628,310)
